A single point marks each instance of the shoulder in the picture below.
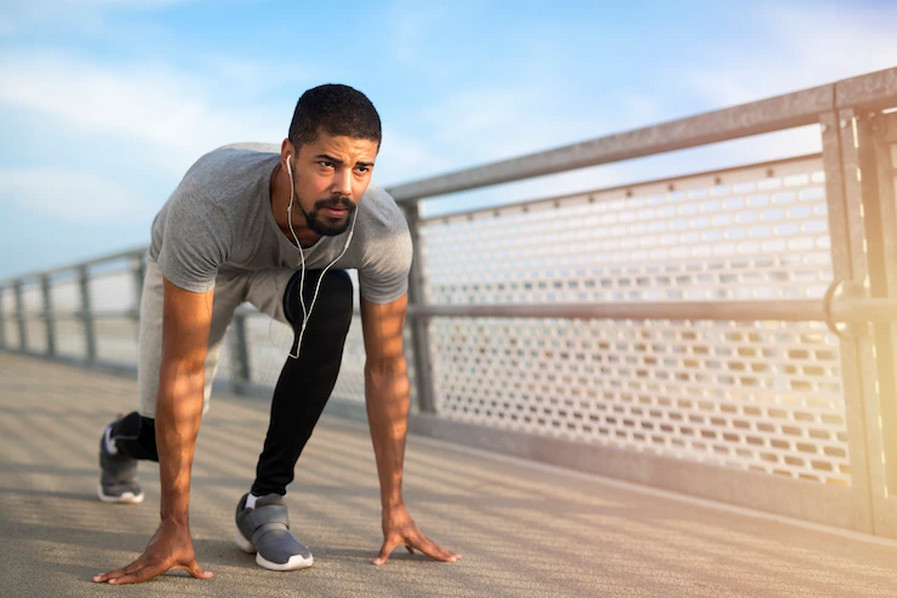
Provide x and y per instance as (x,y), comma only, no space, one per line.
(380,212)
(232,162)
(382,227)
(225,178)
(385,250)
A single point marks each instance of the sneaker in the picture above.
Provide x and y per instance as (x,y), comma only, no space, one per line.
(118,478)
(265,531)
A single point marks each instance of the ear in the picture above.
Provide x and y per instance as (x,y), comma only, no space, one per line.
(286,151)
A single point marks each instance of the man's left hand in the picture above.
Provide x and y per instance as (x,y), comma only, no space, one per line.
(400,530)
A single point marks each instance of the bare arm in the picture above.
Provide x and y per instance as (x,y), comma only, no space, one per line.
(185,337)
(387,401)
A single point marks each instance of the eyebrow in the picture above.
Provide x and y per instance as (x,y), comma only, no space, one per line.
(329,158)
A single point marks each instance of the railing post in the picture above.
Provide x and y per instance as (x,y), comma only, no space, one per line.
(870,158)
(420,326)
(90,344)
(240,373)
(2,320)
(844,196)
(20,315)
(138,270)
(49,322)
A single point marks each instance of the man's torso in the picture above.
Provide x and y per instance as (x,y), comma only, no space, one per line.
(219,222)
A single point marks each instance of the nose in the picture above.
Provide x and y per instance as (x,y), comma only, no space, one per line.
(342,182)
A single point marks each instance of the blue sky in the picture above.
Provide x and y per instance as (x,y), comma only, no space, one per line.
(105,103)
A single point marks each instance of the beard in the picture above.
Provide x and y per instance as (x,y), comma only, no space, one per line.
(325,225)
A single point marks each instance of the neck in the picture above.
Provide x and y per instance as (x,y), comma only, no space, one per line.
(280,192)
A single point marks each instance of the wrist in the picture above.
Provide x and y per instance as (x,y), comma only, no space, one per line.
(177,517)
(391,502)
(176,527)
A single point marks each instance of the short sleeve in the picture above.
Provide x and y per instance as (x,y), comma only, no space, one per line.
(384,276)
(195,241)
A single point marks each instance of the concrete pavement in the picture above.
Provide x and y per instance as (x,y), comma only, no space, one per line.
(524,529)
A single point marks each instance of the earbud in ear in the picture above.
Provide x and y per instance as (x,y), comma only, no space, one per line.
(289,168)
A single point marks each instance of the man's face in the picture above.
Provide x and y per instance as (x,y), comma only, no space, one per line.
(330,175)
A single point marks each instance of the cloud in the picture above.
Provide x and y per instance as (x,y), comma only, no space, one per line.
(406,157)
(76,196)
(799,48)
(154,105)
(22,15)
(411,25)
(63,8)
(484,124)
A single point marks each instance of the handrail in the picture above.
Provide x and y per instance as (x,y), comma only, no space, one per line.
(854,310)
(781,112)
(135,252)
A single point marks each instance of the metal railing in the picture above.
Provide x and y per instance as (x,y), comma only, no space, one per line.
(728,334)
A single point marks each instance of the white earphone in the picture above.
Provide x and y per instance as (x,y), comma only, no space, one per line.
(306,312)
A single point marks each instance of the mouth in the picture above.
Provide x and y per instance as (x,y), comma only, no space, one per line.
(335,213)
(335,209)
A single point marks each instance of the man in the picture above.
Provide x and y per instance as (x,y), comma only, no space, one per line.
(277,230)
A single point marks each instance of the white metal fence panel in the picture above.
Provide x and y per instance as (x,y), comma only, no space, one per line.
(763,396)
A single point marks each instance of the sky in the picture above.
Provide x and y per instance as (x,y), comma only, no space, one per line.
(105,103)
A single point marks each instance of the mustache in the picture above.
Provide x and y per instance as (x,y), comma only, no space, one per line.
(342,203)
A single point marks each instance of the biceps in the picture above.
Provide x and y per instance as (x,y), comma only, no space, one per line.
(186,320)
(383,326)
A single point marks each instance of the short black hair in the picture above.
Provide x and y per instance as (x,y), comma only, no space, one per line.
(337,110)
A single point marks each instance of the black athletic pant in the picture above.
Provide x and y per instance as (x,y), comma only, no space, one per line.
(302,389)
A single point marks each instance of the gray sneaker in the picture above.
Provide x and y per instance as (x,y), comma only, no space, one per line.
(118,477)
(265,531)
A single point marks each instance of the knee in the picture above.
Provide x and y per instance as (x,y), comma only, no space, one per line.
(135,436)
(332,307)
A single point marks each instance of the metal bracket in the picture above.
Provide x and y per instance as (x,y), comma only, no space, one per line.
(843,289)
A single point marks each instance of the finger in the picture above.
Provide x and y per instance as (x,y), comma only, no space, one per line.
(196,571)
(385,551)
(434,550)
(108,575)
(136,573)
(132,577)
(132,566)
(409,549)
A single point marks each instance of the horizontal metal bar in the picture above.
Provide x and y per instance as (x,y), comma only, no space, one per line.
(864,310)
(247,310)
(719,173)
(843,310)
(77,314)
(34,277)
(780,112)
(870,91)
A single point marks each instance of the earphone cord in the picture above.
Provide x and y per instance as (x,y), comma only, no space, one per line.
(306,312)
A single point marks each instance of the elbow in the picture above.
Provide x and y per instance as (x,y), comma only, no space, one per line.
(386,367)
(182,377)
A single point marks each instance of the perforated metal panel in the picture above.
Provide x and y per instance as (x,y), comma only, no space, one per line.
(739,235)
(894,163)
(269,342)
(764,396)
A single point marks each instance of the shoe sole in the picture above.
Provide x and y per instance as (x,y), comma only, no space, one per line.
(242,543)
(127,498)
(296,561)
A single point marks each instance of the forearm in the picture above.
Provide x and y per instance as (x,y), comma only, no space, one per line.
(387,399)
(178,417)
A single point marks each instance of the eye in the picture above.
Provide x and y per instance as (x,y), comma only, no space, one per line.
(325,164)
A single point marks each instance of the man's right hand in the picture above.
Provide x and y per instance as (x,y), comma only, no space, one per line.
(171,547)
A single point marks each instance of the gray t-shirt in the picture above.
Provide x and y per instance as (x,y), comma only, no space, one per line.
(219,220)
